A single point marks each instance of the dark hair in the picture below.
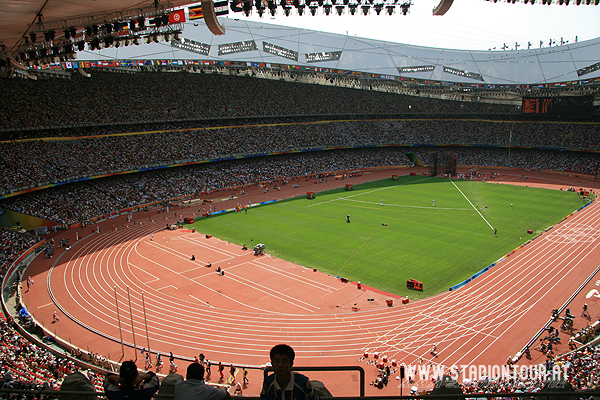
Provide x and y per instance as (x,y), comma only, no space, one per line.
(283,349)
(195,371)
(128,372)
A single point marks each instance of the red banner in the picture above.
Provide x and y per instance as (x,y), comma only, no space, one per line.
(177,17)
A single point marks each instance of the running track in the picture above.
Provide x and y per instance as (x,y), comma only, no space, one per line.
(262,301)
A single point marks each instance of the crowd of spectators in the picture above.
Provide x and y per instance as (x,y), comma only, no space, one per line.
(531,159)
(83,201)
(176,112)
(33,163)
(25,365)
(12,245)
(165,96)
(582,369)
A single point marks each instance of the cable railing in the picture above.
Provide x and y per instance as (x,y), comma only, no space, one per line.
(542,395)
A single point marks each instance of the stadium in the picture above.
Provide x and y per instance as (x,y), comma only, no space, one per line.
(186,189)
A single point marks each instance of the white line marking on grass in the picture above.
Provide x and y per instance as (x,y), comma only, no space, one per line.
(404,205)
(360,247)
(369,192)
(457,188)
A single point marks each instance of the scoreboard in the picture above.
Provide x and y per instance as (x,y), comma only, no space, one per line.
(558,107)
(414,284)
(536,105)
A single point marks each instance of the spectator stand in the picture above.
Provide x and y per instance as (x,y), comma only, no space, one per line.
(35,333)
(38,333)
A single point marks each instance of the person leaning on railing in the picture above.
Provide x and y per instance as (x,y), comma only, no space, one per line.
(130,384)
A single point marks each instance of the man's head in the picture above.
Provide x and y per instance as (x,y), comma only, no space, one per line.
(195,371)
(282,359)
(128,372)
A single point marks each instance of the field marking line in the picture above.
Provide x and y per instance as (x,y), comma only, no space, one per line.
(214,247)
(475,208)
(168,250)
(407,206)
(168,286)
(171,250)
(361,246)
(286,274)
(199,267)
(200,300)
(275,294)
(369,192)
(232,299)
(156,262)
(291,275)
(146,272)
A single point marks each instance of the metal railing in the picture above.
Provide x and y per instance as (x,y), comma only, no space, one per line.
(542,395)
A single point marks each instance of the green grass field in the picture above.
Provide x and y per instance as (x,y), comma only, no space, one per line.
(440,245)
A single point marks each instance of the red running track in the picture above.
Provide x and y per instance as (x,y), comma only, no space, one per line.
(262,301)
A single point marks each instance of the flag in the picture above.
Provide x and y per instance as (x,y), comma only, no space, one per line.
(177,17)
(221,8)
(236,6)
(195,12)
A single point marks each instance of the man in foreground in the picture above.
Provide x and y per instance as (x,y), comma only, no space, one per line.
(194,387)
(285,384)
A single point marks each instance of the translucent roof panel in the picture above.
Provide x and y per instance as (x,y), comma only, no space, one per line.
(532,66)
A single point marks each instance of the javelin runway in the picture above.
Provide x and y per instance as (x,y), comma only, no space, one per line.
(261,301)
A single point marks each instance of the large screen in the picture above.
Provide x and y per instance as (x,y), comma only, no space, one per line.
(563,107)
(536,105)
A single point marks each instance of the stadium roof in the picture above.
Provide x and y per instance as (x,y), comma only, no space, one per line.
(285,45)
(18,16)
(256,42)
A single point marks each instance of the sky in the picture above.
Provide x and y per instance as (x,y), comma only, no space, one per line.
(468,24)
